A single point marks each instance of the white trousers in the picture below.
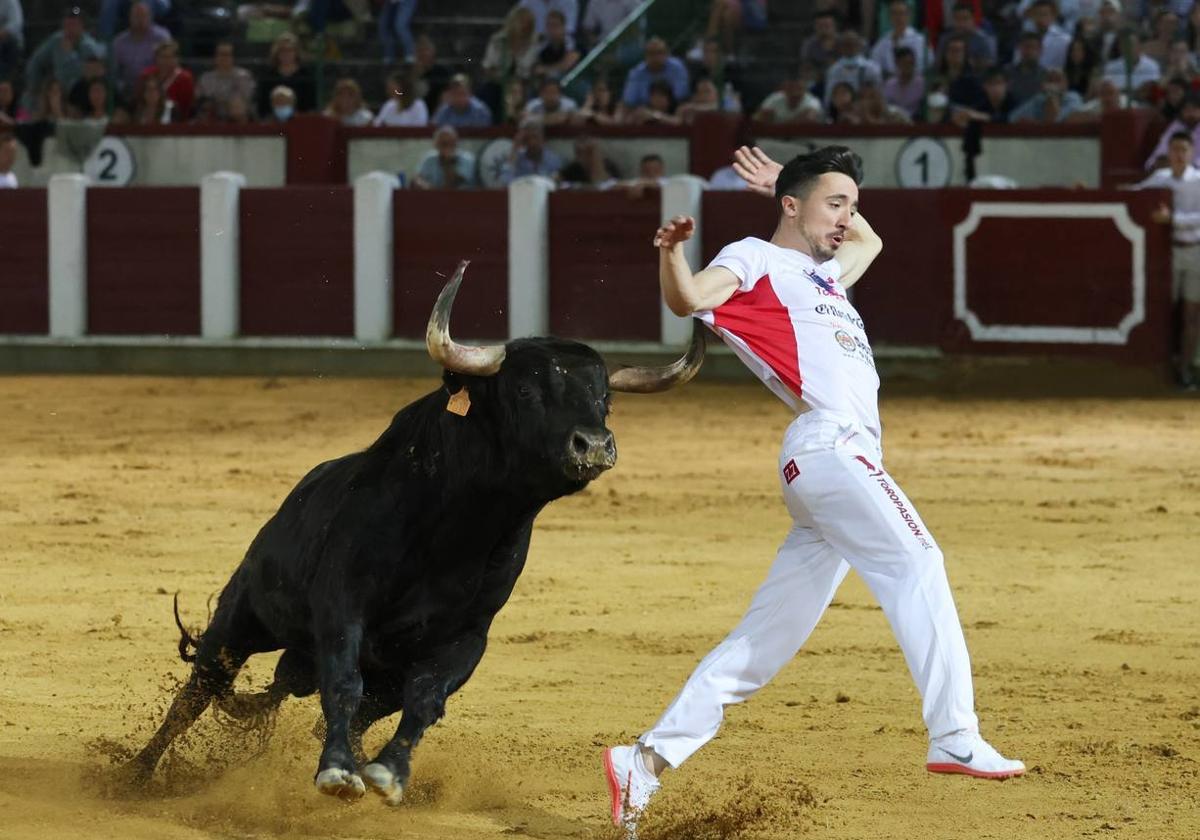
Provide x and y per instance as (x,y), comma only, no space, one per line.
(848,513)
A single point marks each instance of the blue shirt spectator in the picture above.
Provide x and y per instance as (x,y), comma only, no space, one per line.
(530,155)
(541,8)
(658,65)
(446,167)
(60,57)
(461,109)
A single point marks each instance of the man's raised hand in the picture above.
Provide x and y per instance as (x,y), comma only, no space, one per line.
(679,229)
(757,169)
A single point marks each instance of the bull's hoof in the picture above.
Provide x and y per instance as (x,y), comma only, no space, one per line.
(383,781)
(344,784)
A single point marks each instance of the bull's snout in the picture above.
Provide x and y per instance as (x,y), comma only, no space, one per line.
(591,452)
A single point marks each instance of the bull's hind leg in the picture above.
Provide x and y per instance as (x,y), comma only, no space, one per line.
(427,686)
(295,676)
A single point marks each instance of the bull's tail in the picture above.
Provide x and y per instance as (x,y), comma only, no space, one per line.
(187,643)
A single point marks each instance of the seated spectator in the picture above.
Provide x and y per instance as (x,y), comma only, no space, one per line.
(446,167)
(284,69)
(112,12)
(1081,65)
(78,102)
(589,168)
(461,109)
(1180,62)
(346,104)
(658,66)
(1128,68)
(61,57)
(705,97)
(49,106)
(659,108)
(431,77)
(906,89)
(997,105)
(843,104)
(981,48)
(529,154)
(97,101)
(558,53)
(282,102)
(542,9)
(1025,75)
(602,17)
(1054,104)
(133,49)
(177,83)
(852,67)
(226,81)
(727,18)
(821,48)
(956,77)
(1174,93)
(652,175)
(599,106)
(1043,14)
(723,70)
(394,28)
(10,112)
(237,111)
(12,36)
(900,36)
(793,102)
(516,97)
(1188,123)
(403,107)
(8,158)
(550,105)
(1165,29)
(149,106)
(874,110)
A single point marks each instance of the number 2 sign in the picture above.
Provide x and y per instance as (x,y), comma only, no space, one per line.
(110,164)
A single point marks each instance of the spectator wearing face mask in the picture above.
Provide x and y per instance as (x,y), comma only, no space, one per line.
(283,104)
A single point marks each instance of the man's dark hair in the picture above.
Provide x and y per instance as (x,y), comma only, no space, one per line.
(800,174)
(1180,135)
(903,52)
(995,72)
(1030,36)
(651,157)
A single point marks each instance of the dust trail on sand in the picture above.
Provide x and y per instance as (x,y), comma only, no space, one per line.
(750,807)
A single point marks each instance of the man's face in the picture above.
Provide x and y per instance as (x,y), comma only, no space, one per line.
(898,14)
(1179,55)
(652,169)
(956,53)
(1031,50)
(551,96)
(534,139)
(906,66)
(849,45)
(166,60)
(963,21)
(1179,154)
(824,26)
(793,89)
(712,54)
(823,216)
(996,87)
(139,17)
(656,54)
(1109,96)
(459,96)
(1054,84)
(224,58)
(72,28)
(1043,17)
(556,30)
(8,154)
(446,145)
(1190,114)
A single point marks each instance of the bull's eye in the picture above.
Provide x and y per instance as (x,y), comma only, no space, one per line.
(524,391)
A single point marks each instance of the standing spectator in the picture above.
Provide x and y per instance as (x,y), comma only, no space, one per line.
(446,167)
(793,102)
(133,49)
(461,109)
(541,10)
(1081,65)
(431,77)
(394,27)
(820,48)
(511,52)
(658,65)
(149,106)
(1025,74)
(1183,179)
(906,89)
(602,17)
(529,154)
(8,157)
(1187,122)
(550,106)
(853,67)
(403,107)
(1043,14)
(901,35)
(178,85)
(1165,30)
(1109,22)
(346,105)
(12,36)
(283,104)
(1128,68)
(1053,104)
(286,70)
(226,81)
(599,106)
(589,168)
(61,56)
(112,12)
(981,48)
(558,54)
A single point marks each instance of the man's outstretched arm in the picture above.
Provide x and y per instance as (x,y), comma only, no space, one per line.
(683,291)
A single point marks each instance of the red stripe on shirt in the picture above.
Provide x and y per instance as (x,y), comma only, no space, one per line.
(759,319)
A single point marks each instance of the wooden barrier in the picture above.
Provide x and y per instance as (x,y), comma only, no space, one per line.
(24,277)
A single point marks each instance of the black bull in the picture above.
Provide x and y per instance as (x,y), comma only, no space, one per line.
(381,572)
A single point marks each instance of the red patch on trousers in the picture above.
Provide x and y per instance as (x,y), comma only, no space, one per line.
(790,471)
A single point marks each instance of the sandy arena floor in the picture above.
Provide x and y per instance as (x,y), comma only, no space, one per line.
(1070,530)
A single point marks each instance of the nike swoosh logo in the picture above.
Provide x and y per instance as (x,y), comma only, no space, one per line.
(965,759)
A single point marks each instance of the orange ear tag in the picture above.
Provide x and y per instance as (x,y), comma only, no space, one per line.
(460,402)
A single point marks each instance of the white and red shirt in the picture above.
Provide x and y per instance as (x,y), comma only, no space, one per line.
(790,322)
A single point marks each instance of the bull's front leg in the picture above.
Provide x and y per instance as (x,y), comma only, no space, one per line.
(428,684)
(341,692)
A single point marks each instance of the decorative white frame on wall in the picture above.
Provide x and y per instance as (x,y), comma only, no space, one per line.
(1117,212)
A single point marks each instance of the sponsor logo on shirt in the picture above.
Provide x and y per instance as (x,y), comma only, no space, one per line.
(855,347)
(838,312)
(845,340)
(824,286)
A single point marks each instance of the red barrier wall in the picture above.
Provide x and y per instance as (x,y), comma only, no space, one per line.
(434,230)
(297,261)
(603,268)
(1027,271)
(143,261)
(24,287)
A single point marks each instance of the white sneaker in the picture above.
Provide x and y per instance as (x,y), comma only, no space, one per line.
(630,786)
(969,754)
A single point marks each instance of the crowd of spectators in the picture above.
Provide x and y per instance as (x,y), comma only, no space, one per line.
(861,62)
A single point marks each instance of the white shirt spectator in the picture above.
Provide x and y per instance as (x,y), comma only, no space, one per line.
(392,115)
(1146,70)
(1068,10)
(777,104)
(1055,44)
(1185,217)
(537,108)
(725,179)
(884,51)
(12,21)
(8,181)
(856,71)
(541,8)
(602,16)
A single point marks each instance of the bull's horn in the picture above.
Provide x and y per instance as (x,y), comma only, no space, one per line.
(460,358)
(651,380)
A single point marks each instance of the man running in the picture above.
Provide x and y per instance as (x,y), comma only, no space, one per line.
(781,306)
